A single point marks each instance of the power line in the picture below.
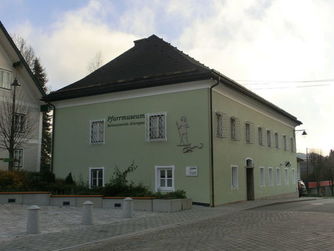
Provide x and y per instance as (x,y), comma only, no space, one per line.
(251,82)
(289,87)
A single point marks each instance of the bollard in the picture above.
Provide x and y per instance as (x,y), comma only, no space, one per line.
(87,217)
(127,208)
(33,220)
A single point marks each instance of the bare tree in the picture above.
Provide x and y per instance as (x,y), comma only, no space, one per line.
(26,50)
(16,126)
(96,62)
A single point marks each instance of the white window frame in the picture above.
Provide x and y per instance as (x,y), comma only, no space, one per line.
(292,145)
(270,176)
(262,177)
(278,176)
(8,81)
(20,122)
(248,133)
(90,131)
(90,176)
(158,188)
(19,165)
(286,176)
(147,126)
(235,186)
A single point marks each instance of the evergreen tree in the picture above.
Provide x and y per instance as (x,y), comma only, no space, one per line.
(39,73)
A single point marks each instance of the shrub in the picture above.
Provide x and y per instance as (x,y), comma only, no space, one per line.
(178,194)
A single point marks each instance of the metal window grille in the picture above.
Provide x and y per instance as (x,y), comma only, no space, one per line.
(157,127)
(219,118)
(97,132)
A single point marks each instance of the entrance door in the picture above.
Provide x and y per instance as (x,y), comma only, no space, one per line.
(250,183)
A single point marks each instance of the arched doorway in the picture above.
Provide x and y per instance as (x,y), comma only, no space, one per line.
(250,179)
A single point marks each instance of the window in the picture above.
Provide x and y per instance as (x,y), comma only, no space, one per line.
(20,122)
(286,174)
(97,132)
(292,148)
(262,181)
(221,125)
(235,125)
(276,140)
(5,79)
(247,133)
(96,177)
(18,158)
(278,176)
(164,178)
(293,177)
(284,143)
(270,176)
(234,177)
(260,136)
(156,127)
(268,138)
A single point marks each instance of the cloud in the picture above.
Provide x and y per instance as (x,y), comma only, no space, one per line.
(244,39)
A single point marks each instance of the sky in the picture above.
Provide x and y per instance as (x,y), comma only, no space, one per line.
(282,50)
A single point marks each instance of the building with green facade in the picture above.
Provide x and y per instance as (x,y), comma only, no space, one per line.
(185,125)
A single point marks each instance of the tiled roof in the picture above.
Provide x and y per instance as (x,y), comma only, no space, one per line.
(151,62)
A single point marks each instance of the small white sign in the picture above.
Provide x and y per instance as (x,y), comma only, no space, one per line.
(191,171)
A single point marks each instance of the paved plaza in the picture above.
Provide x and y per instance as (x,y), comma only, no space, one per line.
(257,225)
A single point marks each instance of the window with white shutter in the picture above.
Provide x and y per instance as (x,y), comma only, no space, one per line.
(6,79)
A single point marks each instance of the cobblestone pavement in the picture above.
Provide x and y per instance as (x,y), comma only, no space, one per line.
(299,226)
(222,228)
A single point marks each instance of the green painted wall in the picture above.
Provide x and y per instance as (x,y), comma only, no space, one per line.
(124,144)
(229,152)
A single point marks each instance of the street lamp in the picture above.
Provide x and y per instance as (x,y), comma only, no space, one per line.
(12,129)
(301,130)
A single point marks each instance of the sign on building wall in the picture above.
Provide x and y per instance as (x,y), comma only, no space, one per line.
(125,120)
(191,171)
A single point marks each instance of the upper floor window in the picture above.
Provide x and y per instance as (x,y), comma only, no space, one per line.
(260,136)
(292,145)
(6,79)
(235,128)
(268,138)
(20,122)
(248,133)
(221,119)
(276,140)
(97,132)
(156,127)
(284,143)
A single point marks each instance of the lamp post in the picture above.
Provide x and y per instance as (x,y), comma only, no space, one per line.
(12,128)
(301,130)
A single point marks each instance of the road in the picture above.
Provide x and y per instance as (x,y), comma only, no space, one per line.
(307,225)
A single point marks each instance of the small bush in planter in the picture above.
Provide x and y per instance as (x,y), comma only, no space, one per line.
(178,194)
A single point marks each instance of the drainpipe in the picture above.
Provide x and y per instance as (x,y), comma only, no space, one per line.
(53,135)
(212,188)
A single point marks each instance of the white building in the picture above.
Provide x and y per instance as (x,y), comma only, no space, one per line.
(29,93)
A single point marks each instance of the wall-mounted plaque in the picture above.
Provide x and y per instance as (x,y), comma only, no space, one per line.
(191,171)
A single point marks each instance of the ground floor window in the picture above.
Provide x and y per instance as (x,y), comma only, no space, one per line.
(293,177)
(278,176)
(286,174)
(234,177)
(96,177)
(164,178)
(270,176)
(262,181)
(18,158)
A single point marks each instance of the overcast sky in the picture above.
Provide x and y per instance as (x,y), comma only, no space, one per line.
(279,49)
